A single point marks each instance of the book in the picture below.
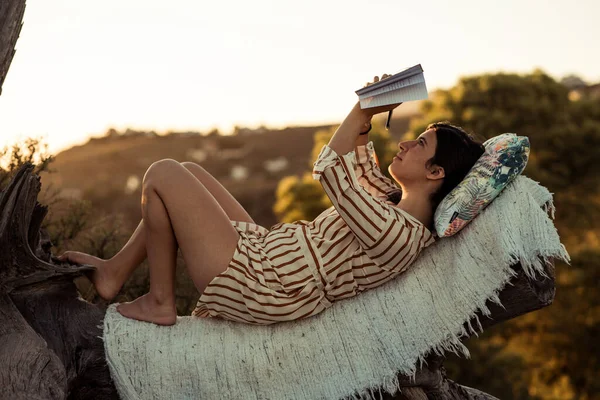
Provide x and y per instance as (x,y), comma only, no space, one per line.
(406,85)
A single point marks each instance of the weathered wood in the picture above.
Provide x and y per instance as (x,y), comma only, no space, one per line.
(29,369)
(11,21)
(47,328)
(49,337)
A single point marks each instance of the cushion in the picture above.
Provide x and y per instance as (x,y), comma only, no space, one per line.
(504,158)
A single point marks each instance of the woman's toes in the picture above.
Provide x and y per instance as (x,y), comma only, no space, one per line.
(104,277)
(78,257)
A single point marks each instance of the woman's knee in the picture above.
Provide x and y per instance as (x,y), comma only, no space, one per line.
(192,166)
(189,164)
(160,170)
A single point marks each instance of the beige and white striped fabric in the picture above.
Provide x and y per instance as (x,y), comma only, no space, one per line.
(296,270)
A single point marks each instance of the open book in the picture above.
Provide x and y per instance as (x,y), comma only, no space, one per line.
(404,86)
(407,85)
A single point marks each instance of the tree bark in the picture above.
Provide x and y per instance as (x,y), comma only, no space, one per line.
(11,21)
(49,337)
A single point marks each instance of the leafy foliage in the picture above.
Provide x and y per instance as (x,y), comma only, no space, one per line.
(19,154)
(552,353)
(560,130)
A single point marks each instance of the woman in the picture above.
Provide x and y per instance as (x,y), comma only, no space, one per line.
(250,274)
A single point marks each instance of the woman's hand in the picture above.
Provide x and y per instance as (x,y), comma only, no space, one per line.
(376,79)
(376,110)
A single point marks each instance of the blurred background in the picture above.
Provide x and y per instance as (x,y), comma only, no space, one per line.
(251,91)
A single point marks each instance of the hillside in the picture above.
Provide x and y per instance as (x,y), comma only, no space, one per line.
(109,170)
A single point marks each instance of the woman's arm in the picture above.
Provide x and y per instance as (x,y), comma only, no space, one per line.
(346,136)
(388,235)
(362,140)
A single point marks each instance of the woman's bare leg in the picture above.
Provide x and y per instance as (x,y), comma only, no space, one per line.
(111,274)
(170,210)
(158,305)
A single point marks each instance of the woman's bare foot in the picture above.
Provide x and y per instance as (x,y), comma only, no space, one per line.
(146,308)
(105,277)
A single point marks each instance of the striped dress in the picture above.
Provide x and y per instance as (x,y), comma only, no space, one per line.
(296,270)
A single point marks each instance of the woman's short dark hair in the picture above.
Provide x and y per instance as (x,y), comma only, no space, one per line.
(456,152)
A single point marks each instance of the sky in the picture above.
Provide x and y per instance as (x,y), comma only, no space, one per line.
(82,67)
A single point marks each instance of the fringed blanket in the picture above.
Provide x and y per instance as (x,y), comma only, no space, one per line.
(356,347)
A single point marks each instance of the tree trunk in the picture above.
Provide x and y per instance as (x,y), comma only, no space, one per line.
(49,337)
(11,20)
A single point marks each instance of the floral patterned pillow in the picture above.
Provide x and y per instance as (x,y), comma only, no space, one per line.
(504,158)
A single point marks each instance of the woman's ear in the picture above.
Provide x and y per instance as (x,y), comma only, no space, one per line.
(436,172)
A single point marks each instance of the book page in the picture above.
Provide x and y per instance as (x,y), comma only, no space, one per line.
(407,93)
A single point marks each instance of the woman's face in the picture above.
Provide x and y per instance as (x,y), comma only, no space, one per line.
(409,165)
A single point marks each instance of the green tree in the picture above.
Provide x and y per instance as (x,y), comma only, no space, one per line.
(532,105)
(551,353)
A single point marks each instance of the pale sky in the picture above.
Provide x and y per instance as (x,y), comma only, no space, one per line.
(82,67)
